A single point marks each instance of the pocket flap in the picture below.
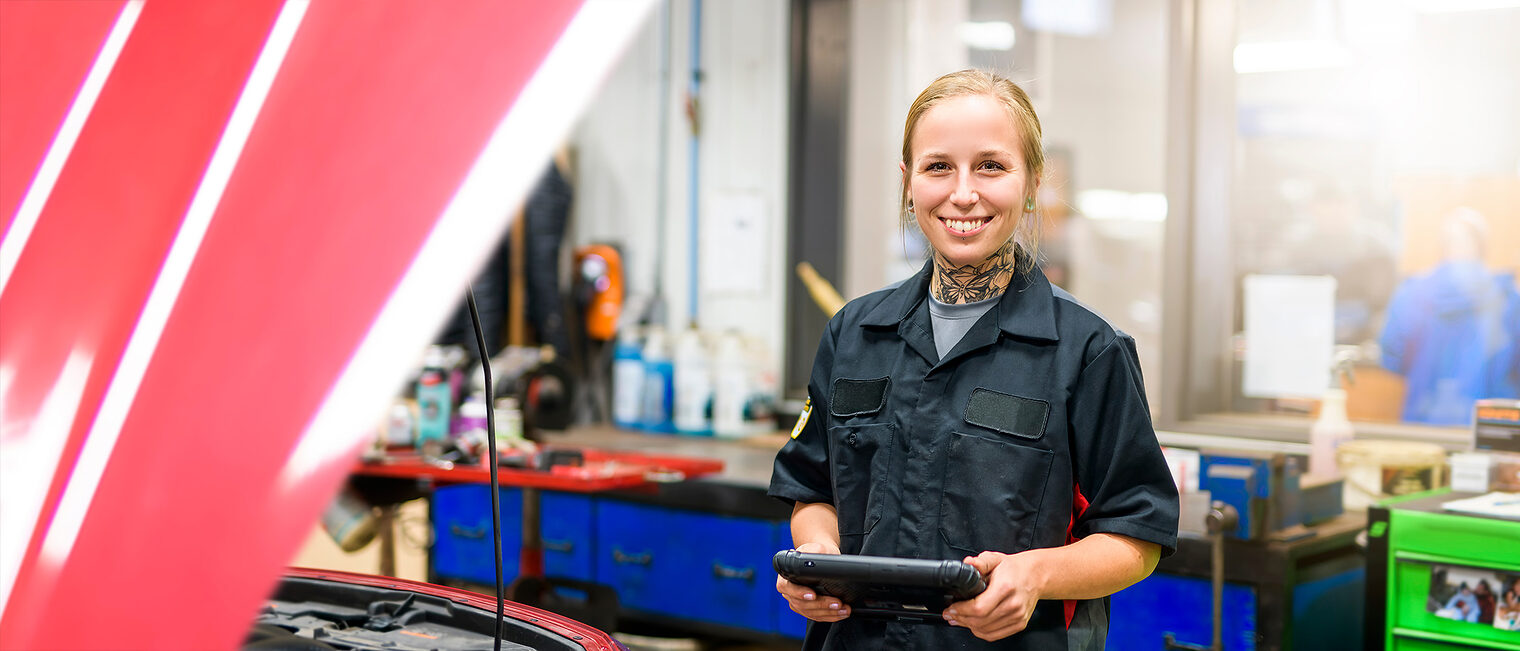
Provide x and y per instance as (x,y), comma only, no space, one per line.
(1009,414)
(856,397)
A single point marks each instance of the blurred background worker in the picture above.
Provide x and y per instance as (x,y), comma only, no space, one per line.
(1452,332)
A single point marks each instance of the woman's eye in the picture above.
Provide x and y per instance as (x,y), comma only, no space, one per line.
(936,167)
(991,165)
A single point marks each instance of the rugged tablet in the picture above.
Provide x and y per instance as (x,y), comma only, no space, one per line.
(878,586)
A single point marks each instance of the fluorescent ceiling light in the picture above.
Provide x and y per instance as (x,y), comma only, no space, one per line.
(1454,6)
(994,35)
(1279,56)
(1069,17)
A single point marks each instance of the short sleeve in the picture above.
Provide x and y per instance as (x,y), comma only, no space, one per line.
(801,471)
(1118,462)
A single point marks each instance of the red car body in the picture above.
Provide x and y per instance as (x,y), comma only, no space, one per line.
(228,225)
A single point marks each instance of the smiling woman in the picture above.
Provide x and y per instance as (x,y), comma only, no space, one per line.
(975,412)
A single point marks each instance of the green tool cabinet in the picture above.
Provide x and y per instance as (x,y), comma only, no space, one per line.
(1410,541)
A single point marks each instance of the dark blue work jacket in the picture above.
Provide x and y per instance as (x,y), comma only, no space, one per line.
(1032,432)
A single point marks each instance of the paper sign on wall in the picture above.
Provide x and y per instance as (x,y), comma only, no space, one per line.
(1290,335)
(735,244)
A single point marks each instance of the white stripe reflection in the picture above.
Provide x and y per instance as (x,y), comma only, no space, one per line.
(527,136)
(63,142)
(103,435)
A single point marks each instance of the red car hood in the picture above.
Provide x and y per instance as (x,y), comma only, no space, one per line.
(227,225)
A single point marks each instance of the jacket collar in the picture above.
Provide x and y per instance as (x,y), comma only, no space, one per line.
(1026,309)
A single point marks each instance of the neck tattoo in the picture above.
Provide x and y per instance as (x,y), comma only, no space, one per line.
(973,282)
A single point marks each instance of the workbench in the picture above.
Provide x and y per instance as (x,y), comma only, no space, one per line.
(695,556)
(688,555)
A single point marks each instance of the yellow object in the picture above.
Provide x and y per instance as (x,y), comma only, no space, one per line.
(807,410)
(822,292)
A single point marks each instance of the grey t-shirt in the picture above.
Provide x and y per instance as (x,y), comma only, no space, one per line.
(951,322)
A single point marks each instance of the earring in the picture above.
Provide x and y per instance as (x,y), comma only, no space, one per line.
(910,205)
(1029,205)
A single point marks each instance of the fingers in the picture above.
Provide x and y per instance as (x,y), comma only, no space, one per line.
(1000,623)
(806,602)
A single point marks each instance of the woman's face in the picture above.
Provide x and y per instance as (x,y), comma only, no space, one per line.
(967,178)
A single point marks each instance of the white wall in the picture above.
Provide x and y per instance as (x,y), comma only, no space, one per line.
(742,152)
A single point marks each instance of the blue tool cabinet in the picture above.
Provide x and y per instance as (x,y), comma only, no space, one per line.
(1302,590)
(685,565)
(699,558)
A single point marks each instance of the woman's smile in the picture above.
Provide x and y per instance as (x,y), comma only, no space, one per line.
(965,226)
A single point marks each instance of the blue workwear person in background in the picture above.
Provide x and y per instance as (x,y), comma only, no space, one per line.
(1453,332)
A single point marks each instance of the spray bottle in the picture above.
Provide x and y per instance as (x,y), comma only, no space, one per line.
(1332,428)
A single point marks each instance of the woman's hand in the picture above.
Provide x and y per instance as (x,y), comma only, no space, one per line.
(805,600)
(1007,604)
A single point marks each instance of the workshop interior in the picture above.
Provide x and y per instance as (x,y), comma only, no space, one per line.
(480,324)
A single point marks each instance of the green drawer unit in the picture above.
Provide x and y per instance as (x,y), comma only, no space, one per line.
(1411,540)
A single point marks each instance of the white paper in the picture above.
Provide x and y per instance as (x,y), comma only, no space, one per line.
(735,244)
(1290,335)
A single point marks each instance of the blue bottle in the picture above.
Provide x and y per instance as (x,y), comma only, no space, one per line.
(659,384)
(435,399)
(628,381)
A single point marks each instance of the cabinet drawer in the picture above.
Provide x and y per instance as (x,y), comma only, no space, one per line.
(634,556)
(1406,640)
(1477,541)
(568,533)
(1411,579)
(697,566)
(1142,615)
(726,561)
(462,533)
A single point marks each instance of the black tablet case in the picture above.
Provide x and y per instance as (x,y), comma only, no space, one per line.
(878,586)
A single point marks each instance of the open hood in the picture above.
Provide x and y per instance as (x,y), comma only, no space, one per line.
(227,227)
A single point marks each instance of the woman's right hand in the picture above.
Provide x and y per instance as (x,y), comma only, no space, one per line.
(805,600)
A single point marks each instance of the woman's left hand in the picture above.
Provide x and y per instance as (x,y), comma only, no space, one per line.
(1008,602)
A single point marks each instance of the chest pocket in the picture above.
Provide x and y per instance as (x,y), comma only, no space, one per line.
(995,482)
(862,460)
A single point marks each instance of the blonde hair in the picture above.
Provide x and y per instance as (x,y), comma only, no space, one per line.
(961,83)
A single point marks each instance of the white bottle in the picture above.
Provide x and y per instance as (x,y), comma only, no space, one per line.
(1329,431)
(693,383)
(731,387)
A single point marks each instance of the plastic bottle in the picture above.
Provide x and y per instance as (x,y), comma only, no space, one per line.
(659,383)
(434,397)
(509,425)
(731,387)
(693,385)
(627,381)
(400,426)
(1329,431)
(471,428)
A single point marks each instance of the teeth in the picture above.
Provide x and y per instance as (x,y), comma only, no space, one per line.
(963,225)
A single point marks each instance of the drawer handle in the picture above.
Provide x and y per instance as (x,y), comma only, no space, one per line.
(563,546)
(724,572)
(473,534)
(620,558)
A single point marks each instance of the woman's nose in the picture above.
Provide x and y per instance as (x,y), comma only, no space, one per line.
(964,194)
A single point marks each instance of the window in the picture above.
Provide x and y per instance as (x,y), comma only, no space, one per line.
(1376,144)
